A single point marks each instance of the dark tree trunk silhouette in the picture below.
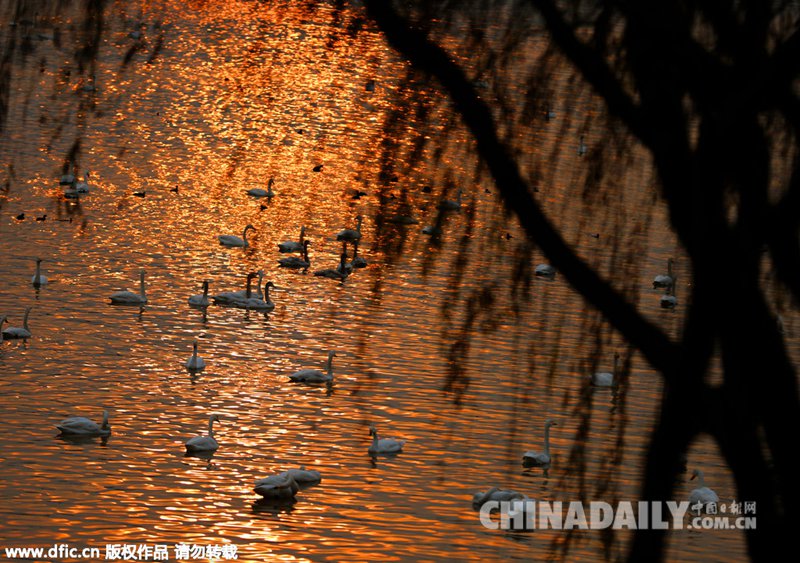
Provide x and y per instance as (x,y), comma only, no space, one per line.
(704,86)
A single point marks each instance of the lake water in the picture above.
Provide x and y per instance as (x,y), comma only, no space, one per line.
(214,99)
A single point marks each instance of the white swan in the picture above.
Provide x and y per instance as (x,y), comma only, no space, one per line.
(315,375)
(702,495)
(204,443)
(496,494)
(200,300)
(450,205)
(665,280)
(195,362)
(38,279)
(303,476)
(535,459)
(228,297)
(83,187)
(293,245)
(297,261)
(668,300)
(17,332)
(128,297)
(351,235)
(338,273)
(277,487)
(233,240)
(255,303)
(605,379)
(82,426)
(545,271)
(384,445)
(260,192)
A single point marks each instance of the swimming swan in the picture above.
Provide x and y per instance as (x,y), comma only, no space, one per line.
(82,426)
(128,297)
(297,261)
(535,459)
(668,300)
(204,443)
(277,487)
(545,271)
(665,280)
(450,205)
(338,273)
(195,362)
(315,375)
(293,245)
(83,187)
(384,445)
(605,379)
(253,302)
(701,495)
(260,192)
(351,235)
(17,332)
(228,297)
(234,241)
(496,494)
(200,300)
(38,279)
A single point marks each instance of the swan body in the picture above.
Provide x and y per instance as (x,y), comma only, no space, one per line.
(315,375)
(351,235)
(234,241)
(665,280)
(195,362)
(260,192)
(545,271)
(293,245)
(17,332)
(200,300)
(450,205)
(228,297)
(702,494)
(540,459)
(303,476)
(384,445)
(338,273)
(496,494)
(297,261)
(38,279)
(82,426)
(668,300)
(83,187)
(604,378)
(204,443)
(277,487)
(130,298)
(263,303)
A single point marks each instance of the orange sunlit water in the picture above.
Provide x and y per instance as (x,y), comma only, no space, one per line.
(237,93)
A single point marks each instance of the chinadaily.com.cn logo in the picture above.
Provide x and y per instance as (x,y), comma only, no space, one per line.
(597,515)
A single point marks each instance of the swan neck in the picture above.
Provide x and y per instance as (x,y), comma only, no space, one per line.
(249,291)
(105,420)
(25,318)
(330,364)
(211,425)
(547,439)
(266,293)
(141,284)
(205,290)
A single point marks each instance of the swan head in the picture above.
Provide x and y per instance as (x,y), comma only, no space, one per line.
(550,422)
(249,227)
(38,261)
(214,418)
(271,182)
(305,244)
(696,473)
(373,431)
(331,353)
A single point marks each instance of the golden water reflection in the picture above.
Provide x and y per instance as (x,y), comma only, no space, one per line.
(217,98)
